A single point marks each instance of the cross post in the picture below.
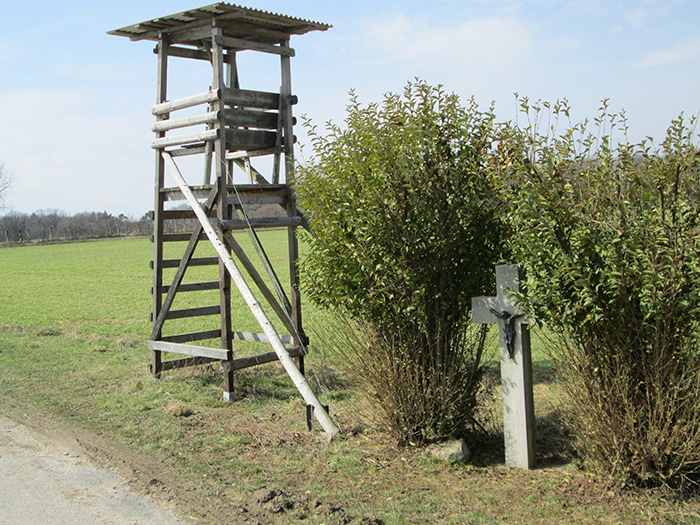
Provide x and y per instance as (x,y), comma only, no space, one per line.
(516,365)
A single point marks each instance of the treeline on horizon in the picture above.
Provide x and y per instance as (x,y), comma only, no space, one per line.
(58,225)
(55,225)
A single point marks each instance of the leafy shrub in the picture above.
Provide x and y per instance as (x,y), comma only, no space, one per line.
(405,222)
(609,233)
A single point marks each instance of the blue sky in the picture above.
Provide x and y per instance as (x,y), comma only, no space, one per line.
(75,102)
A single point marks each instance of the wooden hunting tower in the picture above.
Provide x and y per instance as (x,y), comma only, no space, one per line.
(233,127)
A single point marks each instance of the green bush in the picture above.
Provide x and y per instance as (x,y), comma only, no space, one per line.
(405,223)
(609,233)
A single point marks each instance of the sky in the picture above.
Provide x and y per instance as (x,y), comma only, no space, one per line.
(75,102)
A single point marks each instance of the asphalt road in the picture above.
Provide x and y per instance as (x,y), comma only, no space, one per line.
(44,481)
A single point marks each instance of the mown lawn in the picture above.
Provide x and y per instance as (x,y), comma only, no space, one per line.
(73,332)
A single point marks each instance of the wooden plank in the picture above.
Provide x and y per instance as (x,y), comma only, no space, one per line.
(193,287)
(190,138)
(191,35)
(191,120)
(174,194)
(186,52)
(186,102)
(245,139)
(251,119)
(193,336)
(201,261)
(187,149)
(260,359)
(174,364)
(261,223)
(177,348)
(251,99)
(183,214)
(239,155)
(260,338)
(181,237)
(193,312)
(241,44)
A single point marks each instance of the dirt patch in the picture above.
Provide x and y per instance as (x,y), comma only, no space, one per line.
(150,475)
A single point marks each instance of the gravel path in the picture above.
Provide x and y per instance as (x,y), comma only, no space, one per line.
(44,481)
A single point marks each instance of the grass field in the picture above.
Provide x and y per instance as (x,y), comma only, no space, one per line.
(73,333)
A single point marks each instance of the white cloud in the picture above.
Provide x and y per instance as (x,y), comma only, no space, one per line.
(683,52)
(492,42)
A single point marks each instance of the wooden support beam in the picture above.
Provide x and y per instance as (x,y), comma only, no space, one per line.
(190,138)
(261,359)
(261,223)
(192,336)
(158,205)
(193,312)
(247,139)
(251,119)
(299,380)
(254,99)
(177,348)
(240,44)
(199,261)
(186,102)
(260,338)
(192,120)
(193,287)
(174,364)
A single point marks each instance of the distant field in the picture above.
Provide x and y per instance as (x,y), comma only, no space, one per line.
(73,334)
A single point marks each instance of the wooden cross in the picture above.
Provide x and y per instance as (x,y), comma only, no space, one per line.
(516,365)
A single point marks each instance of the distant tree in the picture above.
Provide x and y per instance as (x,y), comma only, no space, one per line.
(5,183)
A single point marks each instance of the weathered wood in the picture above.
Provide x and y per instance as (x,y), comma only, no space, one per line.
(190,138)
(174,364)
(191,120)
(174,194)
(261,223)
(223,210)
(193,312)
(192,336)
(255,99)
(193,287)
(191,35)
(186,52)
(298,379)
(260,338)
(177,348)
(186,102)
(260,359)
(247,139)
(251,119)
(199,261)
(188,150)
(159,201)
(240,44)
(240,155)
(180,237)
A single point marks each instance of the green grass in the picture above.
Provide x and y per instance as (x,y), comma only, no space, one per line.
(73,334)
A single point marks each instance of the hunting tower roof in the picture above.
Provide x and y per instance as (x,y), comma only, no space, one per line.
(236,21)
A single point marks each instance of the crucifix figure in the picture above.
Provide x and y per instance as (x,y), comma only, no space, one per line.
(516,365)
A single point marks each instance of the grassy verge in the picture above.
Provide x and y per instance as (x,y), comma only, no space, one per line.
(73,331)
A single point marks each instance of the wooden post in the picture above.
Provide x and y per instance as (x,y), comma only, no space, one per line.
(285,110)
(158,204)
(223,210)
(516,365)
